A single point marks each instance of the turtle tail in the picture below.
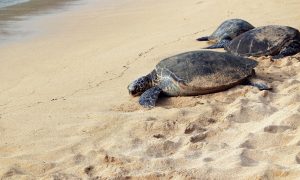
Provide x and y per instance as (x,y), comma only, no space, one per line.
(205,38)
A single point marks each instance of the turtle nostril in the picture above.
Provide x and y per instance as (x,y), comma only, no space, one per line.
(131,91)
(130,88)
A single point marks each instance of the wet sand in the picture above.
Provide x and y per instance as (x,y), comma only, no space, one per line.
(66,113)
(13,18)
(33,7)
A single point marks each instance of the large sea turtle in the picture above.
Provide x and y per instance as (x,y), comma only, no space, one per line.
(228,30)
(195,73)
(273,40)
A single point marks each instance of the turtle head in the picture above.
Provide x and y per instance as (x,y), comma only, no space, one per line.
(140,85)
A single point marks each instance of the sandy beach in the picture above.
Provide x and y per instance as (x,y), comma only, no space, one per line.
(65,111)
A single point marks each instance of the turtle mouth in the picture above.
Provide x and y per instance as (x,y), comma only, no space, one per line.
(132,91)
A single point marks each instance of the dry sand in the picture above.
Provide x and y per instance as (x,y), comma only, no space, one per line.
(66,113)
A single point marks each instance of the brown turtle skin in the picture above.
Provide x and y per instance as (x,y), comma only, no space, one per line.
(273,40)
(201,72)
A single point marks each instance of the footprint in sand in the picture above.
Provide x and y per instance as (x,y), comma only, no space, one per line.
(248,144)
(162,149)
(208,159)
(197,138)
(244,111)
(298,158)
(292,120)
(199,125)
(60,176)
(192,154)
(276,128)
(246,159)
(2,130)
(78,158)
(193,128)
(12,172)
(266,140)
(158,136)
(89,170)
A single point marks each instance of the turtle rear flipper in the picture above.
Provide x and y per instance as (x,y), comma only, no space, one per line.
(260,84)
(291,49)
(205,38)
(149,97)
(220,44)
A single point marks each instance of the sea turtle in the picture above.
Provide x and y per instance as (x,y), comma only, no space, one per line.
(195,73)
(228,30)
(274,40)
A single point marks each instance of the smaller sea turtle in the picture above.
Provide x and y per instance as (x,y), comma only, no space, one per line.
(273,40)
(195,73)
(228,30)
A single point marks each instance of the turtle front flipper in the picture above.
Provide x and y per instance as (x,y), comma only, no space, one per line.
(260,84)
(149,97)
(220,44)
(205,38)
(291,49)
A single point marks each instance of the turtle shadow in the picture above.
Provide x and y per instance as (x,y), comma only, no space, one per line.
(163,100)
(169,102)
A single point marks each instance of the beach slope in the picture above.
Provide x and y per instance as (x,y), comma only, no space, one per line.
(65,112)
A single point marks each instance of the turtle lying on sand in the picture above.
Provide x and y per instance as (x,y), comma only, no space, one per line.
(228,30)
(195,73)
(273,40)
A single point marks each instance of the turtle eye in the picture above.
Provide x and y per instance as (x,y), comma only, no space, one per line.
(228,38)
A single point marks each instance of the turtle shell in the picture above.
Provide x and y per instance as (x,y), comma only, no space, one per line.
(202,72)
(266,40)
(230,29)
